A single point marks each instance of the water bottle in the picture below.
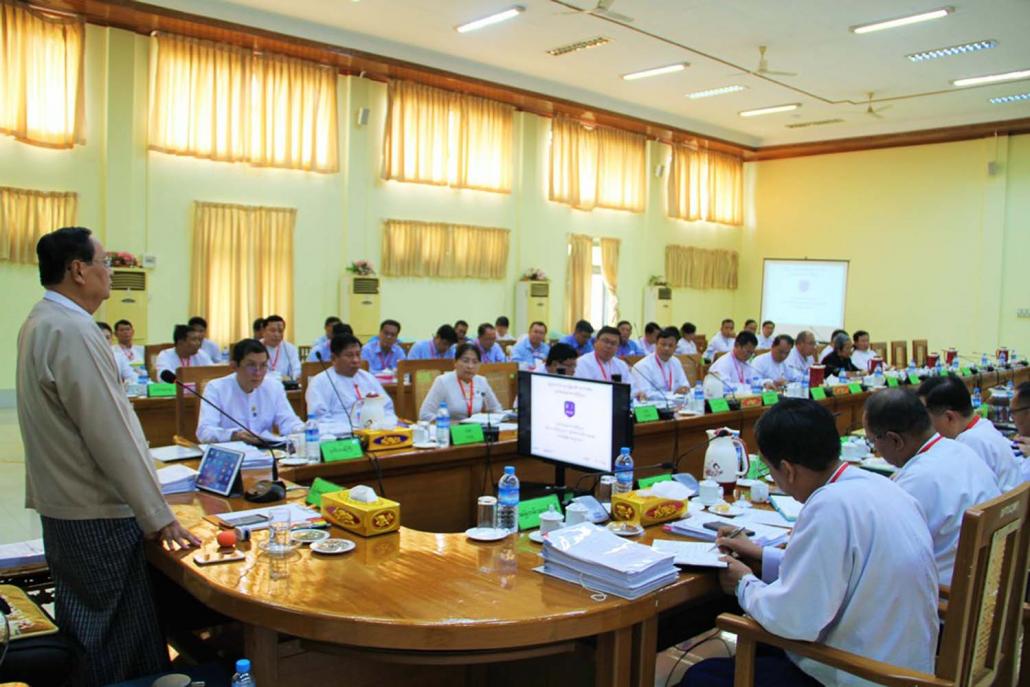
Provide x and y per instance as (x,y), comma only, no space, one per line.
(1010,388)
(623,472)
(225,353)
(804,387)
(508,500)
(242,678)
(977,398)
(1001,358)
(940,369)
(911,367)
(983,361)
(312,447)
(443,426)
(756,386)
(699,398)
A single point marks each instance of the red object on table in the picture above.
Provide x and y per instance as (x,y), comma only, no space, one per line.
(226,538)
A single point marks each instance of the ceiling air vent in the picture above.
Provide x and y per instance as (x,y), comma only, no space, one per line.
(818,122)
(595,42)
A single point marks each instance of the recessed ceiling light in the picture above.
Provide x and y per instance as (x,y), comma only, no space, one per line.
(657,71)
(902,21)
(579,45)
(770,110)
(1015,98)
(936,53)
(507,14)
(992,78)
(716,91)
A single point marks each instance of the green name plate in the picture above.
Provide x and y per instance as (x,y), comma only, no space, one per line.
(469,433)
(719,405)
(892,382)
(343,449)
(818,393)
(530,510)
(964,371)
(318,488)
(855,387)
(756,468)
(160,390)
(645,482)
(770,398)
(913,379)
(646,413)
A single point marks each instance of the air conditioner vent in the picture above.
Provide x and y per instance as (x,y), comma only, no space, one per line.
(122,280)
(366,285)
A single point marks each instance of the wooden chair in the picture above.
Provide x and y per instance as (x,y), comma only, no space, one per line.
(899,355)
(701,341)
(718,354)
(303,352)
(759,351)
(150,352)
(880,347)
(420,375)
(919,350)
(503,379)
(982,621)
(632,360)
(186,417)
(406,346)
(692,366)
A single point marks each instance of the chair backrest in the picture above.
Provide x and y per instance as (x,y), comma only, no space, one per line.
(632,360)
(717,355)
(979,646)
(150,352)
(406,346)
(691,366)
(420,375)
(303,352)
(308,370)
(504,380)
(919,349)
(899,354)
(187,406)
(880,347)
(760,351)
(701,341)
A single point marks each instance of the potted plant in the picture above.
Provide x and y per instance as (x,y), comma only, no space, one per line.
(122,259)
(657,280)
(362,268)
(534,274)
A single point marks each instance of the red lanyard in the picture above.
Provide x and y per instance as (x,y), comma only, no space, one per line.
(972,423)
(383,361)
(836,475)
(471,395)
(661,368)
(127,352)
(739,368)
(185,361)
(600,365)
(929,444)
(357,391)
(275,361)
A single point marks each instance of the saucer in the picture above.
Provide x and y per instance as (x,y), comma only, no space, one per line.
(486,533)
(426,444)
(536,536)
(726,510)
(308,536)
(625,529)
(293,462)
(332,547)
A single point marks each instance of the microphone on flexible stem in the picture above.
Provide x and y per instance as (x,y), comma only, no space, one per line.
(669,412)
(372,459)
(488,472)
(264,491)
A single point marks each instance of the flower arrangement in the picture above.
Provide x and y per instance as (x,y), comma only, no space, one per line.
(123,259)
(657,280)
(534,274)
(362,268)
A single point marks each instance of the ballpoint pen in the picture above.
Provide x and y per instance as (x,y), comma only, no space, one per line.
(731,535)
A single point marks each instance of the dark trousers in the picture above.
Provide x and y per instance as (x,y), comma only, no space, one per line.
(103,599)
(772,669)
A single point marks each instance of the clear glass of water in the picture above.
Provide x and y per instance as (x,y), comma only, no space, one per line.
(486,512)
(604,488)
(279,531)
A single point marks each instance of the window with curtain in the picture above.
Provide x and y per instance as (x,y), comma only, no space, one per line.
(223,102)
(41,77)
(706,185)
(700,268)
(598,167)
(444,138)
(242,266)
(436,249)
(26,215)
(579,280)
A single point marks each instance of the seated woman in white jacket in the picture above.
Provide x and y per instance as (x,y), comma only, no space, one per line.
(464,392)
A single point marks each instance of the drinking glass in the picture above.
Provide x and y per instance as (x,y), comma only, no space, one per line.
(279,531)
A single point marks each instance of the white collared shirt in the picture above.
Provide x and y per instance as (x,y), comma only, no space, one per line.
(766,341)
(589,366)
(995,451)
(134,353)
(125,370)
(798,366)
(731,370)
(719,344)
(259,411)
(284,360)
(646,347)
(656,378)
(861,359)
(323,401)
(63,300)
(684,347)
(447,388)
(768,368)
(169,359)
(825,352)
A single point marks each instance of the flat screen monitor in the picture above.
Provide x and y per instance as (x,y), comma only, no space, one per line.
(574,422)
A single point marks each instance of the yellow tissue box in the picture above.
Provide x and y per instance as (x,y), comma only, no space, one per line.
(386,439)
(366,519)
(647,510)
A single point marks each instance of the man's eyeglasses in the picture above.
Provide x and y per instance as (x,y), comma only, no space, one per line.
(255,369)
(104,261)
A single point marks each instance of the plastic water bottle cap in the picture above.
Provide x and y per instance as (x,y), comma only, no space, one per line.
(509,469)
(243,665)
(624,450)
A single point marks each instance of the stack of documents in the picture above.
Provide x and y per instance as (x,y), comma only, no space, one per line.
(168,454)
(694,526)
(253,457)
(22,553)
(787,506)
(601,561)
(177,479)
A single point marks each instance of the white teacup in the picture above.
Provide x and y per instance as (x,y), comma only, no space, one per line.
(709,492)
(575,513)
(759,492)
(550,520)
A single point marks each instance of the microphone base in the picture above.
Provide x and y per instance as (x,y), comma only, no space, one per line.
(666,413)
(266,491)
(491,434)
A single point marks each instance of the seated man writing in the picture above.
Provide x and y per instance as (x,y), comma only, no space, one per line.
(333,395)
(733,369)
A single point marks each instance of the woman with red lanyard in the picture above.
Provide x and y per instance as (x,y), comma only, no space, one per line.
(464,392)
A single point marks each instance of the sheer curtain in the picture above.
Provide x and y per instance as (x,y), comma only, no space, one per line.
(706,185)
(222,102)
(700,268)
(26,215)
(610,272)
(599,167)
(436,249)
(577,280)
(242,266)
(444,138)
(41,77)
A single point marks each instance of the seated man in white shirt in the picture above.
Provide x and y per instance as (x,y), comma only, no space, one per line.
(439,347)
(185,353)
(124,333)
(829,344)
(722,342)
(686,345)
(125,371)
(951,410)
(283,358)
(862,353)
(259,404)
(334,395)
(531,351)
(858,574)
(650,338)
(660,373)
(501,325)
(321,351)
(206,344)
(733,369)
(383,353)
(942,475)
(800,358)
(328,325)
(601,363)
(561,360)
(773,364)
(751,326)
(765,339)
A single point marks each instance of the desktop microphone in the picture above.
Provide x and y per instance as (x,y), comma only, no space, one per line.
(372,459)
(669,412)
(264,491)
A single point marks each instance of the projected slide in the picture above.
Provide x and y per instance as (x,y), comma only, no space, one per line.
(572,421)
(805,294)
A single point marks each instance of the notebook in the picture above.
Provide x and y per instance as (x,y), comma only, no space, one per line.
(699,553)
(787,506)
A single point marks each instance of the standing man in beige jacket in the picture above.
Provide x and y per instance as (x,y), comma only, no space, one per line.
(88,472)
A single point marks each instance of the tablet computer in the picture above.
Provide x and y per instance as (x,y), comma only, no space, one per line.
(219,470)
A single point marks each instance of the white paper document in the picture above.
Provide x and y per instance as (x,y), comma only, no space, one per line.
(700,553)
(177,479)
(169,454)
(22,553)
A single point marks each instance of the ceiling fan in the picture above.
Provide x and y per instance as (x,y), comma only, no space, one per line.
(875,111)
(763,65)
(603,8)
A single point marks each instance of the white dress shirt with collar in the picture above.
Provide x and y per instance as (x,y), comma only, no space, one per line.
(284,360)
(684,347)
(323,401)
(168,359)
(861,359)
(768,368)
(589,366)
(995,451)
(719,344)
(798,366)
(134,353)
(259,411)
(656,378)
(447,388)
(731,370)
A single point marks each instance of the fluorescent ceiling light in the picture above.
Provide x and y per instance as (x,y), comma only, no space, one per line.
(903,21)
(936,53)
(716,91)
(992,78)
(579,45)
(667,69)
(770,110)
(1018,97)
(507,14)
